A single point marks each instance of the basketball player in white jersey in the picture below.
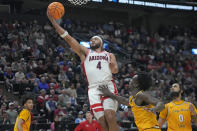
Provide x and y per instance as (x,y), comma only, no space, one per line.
(98,66)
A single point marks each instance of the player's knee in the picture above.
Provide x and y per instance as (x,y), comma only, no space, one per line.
(103,122)
(110,115)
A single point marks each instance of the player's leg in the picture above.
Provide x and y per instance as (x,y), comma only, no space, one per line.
(102,121)
(110,114)
(110,106)
(99,115)
(97,108)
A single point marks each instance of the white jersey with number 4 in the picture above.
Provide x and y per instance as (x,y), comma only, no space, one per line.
(96,67)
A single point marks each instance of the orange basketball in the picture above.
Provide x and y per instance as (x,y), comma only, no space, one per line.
(56,10)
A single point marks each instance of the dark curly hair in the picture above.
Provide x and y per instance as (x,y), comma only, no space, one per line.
(25,98)
(144,81)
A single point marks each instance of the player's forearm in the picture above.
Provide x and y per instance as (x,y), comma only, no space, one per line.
(161,122)
(58,28)
(69,39)
(159,106)
(194,118)
(61,31)
(120,99)
(19,126)
(114,68)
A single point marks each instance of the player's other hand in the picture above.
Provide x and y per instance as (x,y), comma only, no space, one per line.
(105,91)
(150,110)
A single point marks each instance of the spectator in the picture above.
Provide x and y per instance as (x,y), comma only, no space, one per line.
(89,124)
(19,76)
(17,107)
(52,93)
(50,107)
(41,99)
(9,78)
(85,108)
(80,91)
(12,114)
(41,69)
(22,64)
(60,112)
(72,90)
(65,97)
(61,101)
(54,85)
(70,109)
(40,41)
(62,76)
(55,71)
(5,120)
(80,118)
(3,109)
(43,84)
(73,100)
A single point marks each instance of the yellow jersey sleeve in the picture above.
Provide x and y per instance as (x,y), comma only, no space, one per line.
(130,100)
(194,108)
(163,114)
(25,115)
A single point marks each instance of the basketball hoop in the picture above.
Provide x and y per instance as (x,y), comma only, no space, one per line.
(78,2)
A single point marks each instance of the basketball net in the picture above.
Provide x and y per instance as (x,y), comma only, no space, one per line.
(78,2)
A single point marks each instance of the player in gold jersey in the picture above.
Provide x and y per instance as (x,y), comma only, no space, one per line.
(143,105)
(23,120)
(178,113)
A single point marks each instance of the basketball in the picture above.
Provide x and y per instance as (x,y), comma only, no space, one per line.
(56,10)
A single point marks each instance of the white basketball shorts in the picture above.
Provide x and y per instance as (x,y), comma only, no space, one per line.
(98,103)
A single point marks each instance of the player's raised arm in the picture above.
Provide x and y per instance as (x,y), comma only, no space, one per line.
(104,89)
(147,98)
(79,49)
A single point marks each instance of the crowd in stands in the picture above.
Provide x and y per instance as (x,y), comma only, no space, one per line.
(34,59)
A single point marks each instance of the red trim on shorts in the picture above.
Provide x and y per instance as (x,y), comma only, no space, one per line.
(90,108)
(95,105)
(98,109)
(104,98)
(115,88)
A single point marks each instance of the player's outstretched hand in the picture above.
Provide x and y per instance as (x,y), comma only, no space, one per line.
(50,17)
(105,91)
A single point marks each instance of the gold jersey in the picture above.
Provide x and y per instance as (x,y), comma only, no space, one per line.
(26,116)
(145,120)
(178,115)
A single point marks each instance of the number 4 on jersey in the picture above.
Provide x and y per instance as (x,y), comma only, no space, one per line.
(99,65)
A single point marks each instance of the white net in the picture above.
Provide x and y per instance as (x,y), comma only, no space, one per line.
(78,2)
